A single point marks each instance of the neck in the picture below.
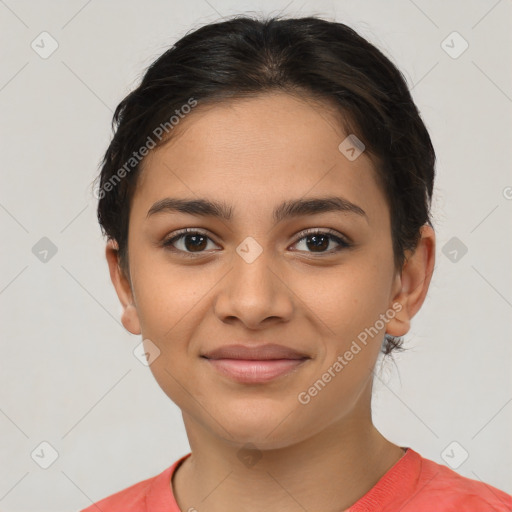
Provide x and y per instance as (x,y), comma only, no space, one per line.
(328,471)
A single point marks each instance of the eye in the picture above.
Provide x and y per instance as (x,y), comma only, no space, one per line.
(317,240)
(192,241)
(188,241)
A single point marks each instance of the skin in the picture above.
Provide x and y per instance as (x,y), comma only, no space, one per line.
(252,154)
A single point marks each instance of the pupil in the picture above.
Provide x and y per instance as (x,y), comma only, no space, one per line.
(195,245)
(317,243)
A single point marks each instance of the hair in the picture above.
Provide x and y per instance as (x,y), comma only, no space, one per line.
(309,57)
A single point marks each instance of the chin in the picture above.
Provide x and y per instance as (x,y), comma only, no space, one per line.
(269,430)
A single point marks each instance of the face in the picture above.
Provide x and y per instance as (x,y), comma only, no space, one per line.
(257,277)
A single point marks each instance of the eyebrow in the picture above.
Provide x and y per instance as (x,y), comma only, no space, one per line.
(285,210)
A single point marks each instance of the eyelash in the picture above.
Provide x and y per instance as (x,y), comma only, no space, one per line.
(343,243)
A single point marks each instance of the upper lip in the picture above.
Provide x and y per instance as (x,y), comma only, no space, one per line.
(259,352)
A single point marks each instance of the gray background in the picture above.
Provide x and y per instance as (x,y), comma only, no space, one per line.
(68,374)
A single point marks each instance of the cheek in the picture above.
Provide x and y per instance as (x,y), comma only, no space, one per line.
(346,307)
(166,296)
(345,299)
(170,308)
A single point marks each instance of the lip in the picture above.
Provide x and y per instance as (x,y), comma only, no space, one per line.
(255,364)
(260,352)
(252,371)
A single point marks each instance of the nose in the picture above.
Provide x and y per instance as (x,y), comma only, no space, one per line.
(255,293)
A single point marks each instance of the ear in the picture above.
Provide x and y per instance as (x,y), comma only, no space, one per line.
(411,285)
(122,285)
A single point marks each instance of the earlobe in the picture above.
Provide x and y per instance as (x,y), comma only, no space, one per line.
(122,285)
(130,319)
(413,283)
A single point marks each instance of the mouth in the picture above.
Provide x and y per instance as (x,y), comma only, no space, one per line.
(253,364)
(253,371)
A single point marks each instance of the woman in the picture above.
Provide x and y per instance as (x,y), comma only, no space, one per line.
(266,198)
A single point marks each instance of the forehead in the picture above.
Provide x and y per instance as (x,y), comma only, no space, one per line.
(256,150)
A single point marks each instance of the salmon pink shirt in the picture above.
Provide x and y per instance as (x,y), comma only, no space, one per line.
(412,484)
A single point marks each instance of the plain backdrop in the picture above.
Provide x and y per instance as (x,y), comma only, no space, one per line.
(69,378)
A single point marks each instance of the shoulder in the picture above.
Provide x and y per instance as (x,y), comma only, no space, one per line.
(130,499)
(449,491)
(154,493)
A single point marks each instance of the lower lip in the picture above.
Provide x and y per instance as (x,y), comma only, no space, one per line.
(255,371)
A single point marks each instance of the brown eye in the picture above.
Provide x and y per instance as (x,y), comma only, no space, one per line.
(319,241)
(195,242)
(188,242)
